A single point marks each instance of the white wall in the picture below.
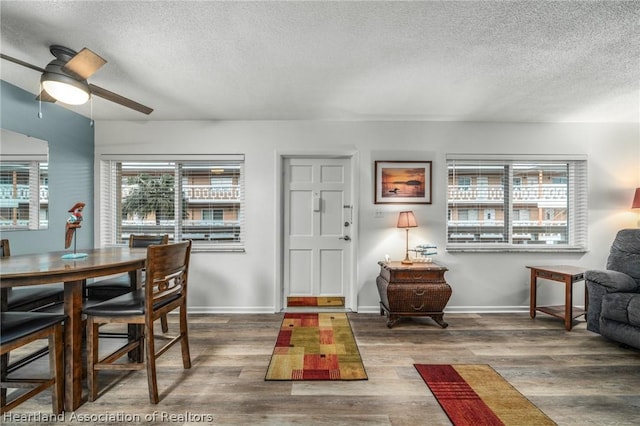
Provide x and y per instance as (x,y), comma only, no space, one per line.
(233,282)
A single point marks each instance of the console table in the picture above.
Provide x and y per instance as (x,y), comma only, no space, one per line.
(566,274)
(412,290)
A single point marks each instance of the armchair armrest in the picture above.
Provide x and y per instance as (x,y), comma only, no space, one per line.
(600,283)
(613,281)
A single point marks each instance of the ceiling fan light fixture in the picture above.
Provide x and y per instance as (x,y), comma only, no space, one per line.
(65,78)
(65,89)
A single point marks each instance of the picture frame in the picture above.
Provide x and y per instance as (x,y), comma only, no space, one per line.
(402,182)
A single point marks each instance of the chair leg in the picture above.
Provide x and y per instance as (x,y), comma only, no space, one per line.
(4,364)
(54,335)
(184,341)
(92,359)
(151,363)
(56,345)
(165,323)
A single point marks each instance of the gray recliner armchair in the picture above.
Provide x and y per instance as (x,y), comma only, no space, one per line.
(614,293)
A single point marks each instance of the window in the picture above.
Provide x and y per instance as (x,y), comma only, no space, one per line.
(528,203)
(24,195)
(221,181)
(212,214)
(522,214)
(464,182)
(200,200)
(24,190)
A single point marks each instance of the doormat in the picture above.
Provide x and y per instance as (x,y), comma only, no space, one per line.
(475,394)
(315,301)
(316,346)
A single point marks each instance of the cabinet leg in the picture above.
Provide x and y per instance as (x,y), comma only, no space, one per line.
(440,320)
(392,320)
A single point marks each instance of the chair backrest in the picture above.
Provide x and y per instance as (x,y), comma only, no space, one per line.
(143,241)
(4,248)
(167,272)
(625,253)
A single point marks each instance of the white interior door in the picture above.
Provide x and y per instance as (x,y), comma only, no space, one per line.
(318,223)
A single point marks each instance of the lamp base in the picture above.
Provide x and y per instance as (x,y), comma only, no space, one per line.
(74,256)
(407,259)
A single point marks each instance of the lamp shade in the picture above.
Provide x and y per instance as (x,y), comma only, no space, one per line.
(636,200)
(406,220)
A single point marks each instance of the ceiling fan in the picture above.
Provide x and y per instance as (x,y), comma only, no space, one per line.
(65,78)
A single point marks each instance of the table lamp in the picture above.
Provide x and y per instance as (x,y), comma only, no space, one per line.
(407,220)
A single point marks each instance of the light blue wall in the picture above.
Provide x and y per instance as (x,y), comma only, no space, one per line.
(71,145)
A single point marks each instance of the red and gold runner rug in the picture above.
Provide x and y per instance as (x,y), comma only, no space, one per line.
(315,301)
(316,346)
(476,395)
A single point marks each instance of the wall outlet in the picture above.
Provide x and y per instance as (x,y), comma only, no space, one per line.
(379,214)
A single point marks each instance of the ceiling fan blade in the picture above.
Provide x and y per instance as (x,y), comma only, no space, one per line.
(113,97)
(84,64)
(45,97)
(19,62)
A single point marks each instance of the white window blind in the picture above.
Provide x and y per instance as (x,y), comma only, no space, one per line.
(530,203)
(24,192)
(175,197)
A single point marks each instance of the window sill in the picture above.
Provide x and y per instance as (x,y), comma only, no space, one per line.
(209,249)
(516,250)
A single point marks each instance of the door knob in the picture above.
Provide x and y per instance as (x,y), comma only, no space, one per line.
(346,238)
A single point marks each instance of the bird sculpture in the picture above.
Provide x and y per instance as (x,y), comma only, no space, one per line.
(73,223)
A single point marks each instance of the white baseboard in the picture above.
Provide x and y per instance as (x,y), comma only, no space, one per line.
(361,309)
(231,310)
(463,309)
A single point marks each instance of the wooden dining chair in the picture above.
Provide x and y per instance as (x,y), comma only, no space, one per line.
(165,290)
(32,297)
(113,286)
(18,329)
(24,299)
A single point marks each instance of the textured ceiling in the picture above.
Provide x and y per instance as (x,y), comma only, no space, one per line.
(533,61)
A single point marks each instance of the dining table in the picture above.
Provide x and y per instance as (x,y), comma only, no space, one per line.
(51,267)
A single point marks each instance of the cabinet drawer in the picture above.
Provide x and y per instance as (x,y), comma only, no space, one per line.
(409,276)
(419,298)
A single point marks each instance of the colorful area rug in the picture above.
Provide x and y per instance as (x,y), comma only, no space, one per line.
(315,301)
(477,395)
(316,346)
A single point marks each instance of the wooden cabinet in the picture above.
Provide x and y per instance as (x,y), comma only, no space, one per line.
(412,290)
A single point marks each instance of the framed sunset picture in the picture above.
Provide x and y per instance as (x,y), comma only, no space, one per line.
(402,182)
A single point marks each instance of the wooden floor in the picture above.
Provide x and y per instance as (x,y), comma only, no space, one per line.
(576,378)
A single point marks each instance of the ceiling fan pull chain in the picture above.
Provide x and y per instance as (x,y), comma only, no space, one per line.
(91,106)
(40,102)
